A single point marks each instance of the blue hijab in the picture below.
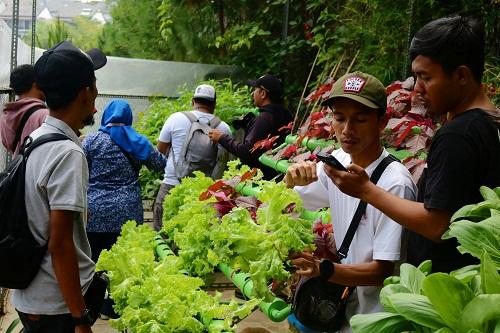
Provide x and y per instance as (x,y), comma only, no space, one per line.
(117,121)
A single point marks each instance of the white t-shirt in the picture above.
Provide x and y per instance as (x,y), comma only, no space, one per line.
(174,131)
(377,237)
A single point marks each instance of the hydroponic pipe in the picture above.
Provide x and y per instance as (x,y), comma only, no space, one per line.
(277,310)
(281,166)
(162,249)
(310,143)
(248,189)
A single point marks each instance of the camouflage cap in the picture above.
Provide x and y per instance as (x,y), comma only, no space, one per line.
(363,88)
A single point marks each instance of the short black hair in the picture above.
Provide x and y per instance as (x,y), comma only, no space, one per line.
(452,42)
(22,79)
(206,102)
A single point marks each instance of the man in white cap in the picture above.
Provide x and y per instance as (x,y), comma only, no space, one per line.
(173,136)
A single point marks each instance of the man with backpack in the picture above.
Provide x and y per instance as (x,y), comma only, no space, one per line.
(358,101)
(24,115)
(184,139)
(64,295)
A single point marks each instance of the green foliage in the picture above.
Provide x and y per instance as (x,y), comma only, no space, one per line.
(286,35)
(259,247)
(464,301)
(380,30)
(134,31)
(82,32)
(153,296)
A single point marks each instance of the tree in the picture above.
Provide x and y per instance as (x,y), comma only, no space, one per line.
(134,31)
(82,32)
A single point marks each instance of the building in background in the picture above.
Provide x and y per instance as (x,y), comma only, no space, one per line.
(65,10)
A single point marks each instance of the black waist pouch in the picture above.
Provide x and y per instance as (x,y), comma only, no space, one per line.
(320,305)
(94,297)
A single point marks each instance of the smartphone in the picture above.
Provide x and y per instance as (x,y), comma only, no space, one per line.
(331,161)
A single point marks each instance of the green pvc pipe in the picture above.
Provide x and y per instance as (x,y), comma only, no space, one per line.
(162,249)
(281,166)
(215,325)
(311,143)
(248,189)
(277,310)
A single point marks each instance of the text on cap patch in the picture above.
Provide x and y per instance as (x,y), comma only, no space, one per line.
(354,84)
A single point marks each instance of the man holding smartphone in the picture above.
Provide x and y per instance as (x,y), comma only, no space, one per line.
(448,61)
(358,101)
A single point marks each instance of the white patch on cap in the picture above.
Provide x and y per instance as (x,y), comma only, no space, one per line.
(354,84)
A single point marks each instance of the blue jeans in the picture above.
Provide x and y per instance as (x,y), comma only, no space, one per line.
(62,323)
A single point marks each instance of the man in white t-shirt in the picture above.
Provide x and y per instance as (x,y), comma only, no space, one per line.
(172,138)
(358,102)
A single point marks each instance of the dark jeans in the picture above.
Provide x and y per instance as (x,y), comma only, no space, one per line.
(62,323)
(103,241)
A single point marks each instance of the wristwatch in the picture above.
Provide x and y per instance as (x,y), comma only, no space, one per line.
(87,318)
(326,269)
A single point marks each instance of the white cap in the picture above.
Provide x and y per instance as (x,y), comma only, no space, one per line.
(205,91)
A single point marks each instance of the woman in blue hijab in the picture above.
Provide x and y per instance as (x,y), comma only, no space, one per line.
(114,155)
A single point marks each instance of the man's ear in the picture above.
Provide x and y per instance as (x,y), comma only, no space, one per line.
(382,122)
(463,75)
(85,94)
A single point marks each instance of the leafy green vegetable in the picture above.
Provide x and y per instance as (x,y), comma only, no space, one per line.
(411,278)
(464,301)
(448,296)
(380,322)
(482,313)
(474,237)
(153,296)
(258,247)
(490,279)
(416,308)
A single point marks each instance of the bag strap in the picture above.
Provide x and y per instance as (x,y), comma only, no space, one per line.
(192,118)
(214,122)
(31,144)
(379,170)
(23,122)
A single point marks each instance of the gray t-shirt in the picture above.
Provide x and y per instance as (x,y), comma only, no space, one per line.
(56,179)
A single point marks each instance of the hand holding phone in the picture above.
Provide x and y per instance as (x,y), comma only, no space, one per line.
(331,161)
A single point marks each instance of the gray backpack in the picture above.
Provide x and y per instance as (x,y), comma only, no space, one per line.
(198,152)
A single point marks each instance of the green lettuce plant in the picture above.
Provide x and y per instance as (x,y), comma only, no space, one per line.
(465,301)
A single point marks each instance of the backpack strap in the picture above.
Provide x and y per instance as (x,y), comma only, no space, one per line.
(31,144)
(23,122)
(379,170)
(192,118)
(214,122)
(189,115)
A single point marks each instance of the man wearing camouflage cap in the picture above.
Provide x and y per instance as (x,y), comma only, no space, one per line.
(358,101)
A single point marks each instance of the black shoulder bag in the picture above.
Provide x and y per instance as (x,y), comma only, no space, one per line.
(320,305)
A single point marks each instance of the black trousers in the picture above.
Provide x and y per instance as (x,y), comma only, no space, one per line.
(62,323)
